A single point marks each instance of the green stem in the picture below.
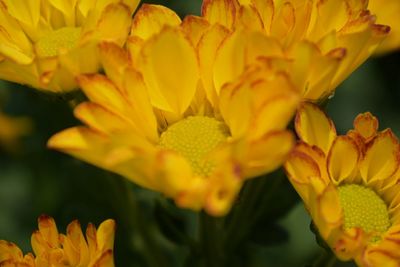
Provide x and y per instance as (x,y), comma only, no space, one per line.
(326,259)
(210,239)
(248,213)
(150,250)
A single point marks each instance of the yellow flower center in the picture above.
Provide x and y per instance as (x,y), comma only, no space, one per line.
(194,138)
(363,208)
(64,38)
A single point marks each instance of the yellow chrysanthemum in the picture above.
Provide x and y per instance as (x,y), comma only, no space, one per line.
(154,125)
(52,249)
(350,186)
(46,43)
(320,42)
(387,13)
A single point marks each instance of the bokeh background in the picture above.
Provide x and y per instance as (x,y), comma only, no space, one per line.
(35,180)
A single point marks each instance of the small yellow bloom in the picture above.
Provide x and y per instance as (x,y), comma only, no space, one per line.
(154,124)
(46,43)
(320,42)
(387,13)
(52,249)
(350,185)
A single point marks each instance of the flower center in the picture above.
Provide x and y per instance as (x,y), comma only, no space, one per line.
(194,138)
(63,38)
(363,208)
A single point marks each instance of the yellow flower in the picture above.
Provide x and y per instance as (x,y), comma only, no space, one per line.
(153,124)
(387,13)
(350,185)
(46,43)
(320,42)
(11,129)
(58,250)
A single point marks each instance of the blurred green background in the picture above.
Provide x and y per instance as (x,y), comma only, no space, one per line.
(35,180)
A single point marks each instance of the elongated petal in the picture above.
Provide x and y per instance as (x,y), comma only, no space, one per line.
(314,127)
(172,83)
(343,159)
(114,60)
(382,157)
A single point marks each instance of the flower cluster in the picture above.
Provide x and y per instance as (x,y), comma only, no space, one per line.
(350,185)
(52,249)
(194,108)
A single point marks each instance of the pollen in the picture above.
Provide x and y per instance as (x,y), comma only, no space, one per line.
(51,44)
(363,208)
(194,138)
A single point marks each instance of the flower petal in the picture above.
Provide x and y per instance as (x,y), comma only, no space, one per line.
(220,11)
(194,27)
(314,127)
(366,125)
(150,19)
(382,157)
(99,89)
(207,50)
(114,61)
(114,23)
(268,153)
(342,159)
(171,83)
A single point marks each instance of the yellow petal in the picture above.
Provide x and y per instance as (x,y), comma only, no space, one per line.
(102,91)
(9,250)
(268,153)
(14,44)
(249,18)
(114,23)
(366,125)
(314,127)
(105,235)
(176,173)
(67,8)
(224,187)
(207,50)
(381,257)
(46,237)
(101,119)
(134,45)
(79,141)
(240,49)
(300,167)
(312,71)
(136,95)
(343,159)
(150,19)
(220,11)
(329,205)
(194,27)
(27,12)
(382,157)
(235,105)
(75,246)
(266,10)
(114,60)
(171,83)
(274,114)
